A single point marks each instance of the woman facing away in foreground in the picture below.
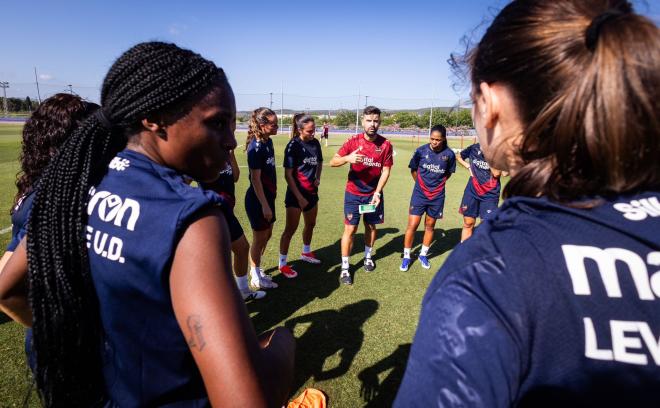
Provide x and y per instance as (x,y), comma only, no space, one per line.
(556,300)
(131,295)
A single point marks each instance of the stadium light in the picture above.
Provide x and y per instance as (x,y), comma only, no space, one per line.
(4,85)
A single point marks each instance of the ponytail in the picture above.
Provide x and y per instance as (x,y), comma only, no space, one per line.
(299,120)
(258,118)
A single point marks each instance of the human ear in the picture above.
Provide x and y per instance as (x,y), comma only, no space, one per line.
(488,104)
(154,127)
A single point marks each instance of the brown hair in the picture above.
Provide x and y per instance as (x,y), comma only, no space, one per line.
(259,117)
(299,120)
(371,110)
(43,134)
(585,77)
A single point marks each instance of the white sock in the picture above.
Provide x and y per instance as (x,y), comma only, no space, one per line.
(254,272)
(307,249)
(282,260)
(367,251)
(424,251)
(261,272)
(406,253)
(242,283)
(344,262)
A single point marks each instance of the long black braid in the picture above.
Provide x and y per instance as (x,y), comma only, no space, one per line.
(149,80)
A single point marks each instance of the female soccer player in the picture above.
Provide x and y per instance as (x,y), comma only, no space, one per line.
(555,301)
(303,162)
(131,294)
(225,186)
(430,167)
(43,134)
(260,196)
(482,192)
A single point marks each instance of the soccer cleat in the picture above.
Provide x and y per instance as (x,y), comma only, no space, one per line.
(310,257)
(424,261)
(345,277)
(405,264)
(259,282)
(288,272)
(250,295)
(369,264)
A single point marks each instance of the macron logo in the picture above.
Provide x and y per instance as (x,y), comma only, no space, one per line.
(638,210)
(119,164)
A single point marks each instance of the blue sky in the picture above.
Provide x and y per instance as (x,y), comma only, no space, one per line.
(323,53)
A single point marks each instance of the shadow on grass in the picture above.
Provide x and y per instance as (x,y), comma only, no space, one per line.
(4,318)
(443,241)
(381,394)
(313,282)
(330,333)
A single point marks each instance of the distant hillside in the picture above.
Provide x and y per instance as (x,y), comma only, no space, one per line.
(333,112)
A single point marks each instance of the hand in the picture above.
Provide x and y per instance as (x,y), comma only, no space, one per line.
(370,387)
(355,157)
(375,200)
(317,182)
(302,202)
(268,213)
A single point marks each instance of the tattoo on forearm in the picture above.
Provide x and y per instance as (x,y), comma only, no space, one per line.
(195,326)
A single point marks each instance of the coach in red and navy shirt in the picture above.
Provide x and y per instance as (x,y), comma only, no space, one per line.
(431,166)
(370,158)
(482,193)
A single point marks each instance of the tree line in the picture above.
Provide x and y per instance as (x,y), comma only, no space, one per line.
(18,105)
(400,119)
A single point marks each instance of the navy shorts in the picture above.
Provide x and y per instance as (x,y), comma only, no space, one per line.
(254,213)
(352,210)
(235,229)
(290,200)
(474,206)
(433,208)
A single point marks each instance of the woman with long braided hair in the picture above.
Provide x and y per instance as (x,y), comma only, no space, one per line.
(131,294)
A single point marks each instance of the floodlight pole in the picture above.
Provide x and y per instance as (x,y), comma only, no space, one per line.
(36,80)
(366,100)
(70,89)
(282,105)
(271,101)
(4,85)
(431,118)
(357,112)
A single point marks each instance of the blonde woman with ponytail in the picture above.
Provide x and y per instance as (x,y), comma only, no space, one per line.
(260,196)
(555,300)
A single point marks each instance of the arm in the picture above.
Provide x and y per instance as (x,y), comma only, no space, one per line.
(237,368)
(465,352)
(384,176)
(255,176)
(235,170)
(4,259)
(13,287)
(463,163)
(288,176)
(413,173)
(352,158)
(496,173)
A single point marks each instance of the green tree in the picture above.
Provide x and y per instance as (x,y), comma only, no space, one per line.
(344,118)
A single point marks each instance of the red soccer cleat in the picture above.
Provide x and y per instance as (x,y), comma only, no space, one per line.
(310,257)
(288,272)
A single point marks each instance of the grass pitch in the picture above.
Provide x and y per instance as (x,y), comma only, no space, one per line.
(352,342)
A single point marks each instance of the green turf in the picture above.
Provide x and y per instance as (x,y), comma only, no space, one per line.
(353,341)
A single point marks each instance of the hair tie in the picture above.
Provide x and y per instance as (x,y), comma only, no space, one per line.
(593,31)
(103,119)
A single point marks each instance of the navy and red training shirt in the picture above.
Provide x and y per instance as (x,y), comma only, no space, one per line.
(363,177)
(261,156)
(224,185)
(304,158)
(482,183)
(433,169)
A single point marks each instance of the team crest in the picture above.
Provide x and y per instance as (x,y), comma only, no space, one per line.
(444,158)
(427,156)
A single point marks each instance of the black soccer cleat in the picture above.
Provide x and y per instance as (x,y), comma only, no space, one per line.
(345,277)
(369,264)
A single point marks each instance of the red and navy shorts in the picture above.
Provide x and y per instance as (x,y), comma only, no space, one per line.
(420,204)
(254,212)
(474,206)
(290,200)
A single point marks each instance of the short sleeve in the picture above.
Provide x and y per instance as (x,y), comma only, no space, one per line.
(289,156)
(255,158)
(16,238)
(346,148)
(452,162)
(466,351)
(414,161)
(465,153)
(389,161)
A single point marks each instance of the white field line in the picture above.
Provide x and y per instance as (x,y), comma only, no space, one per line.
(5,230)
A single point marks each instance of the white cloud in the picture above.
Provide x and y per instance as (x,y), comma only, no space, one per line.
(46,77)
(177,28)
